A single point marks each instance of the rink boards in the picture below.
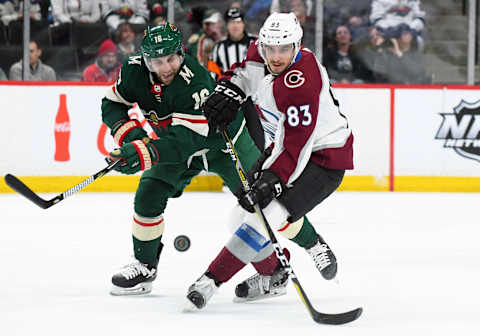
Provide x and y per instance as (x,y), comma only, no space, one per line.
(407,138)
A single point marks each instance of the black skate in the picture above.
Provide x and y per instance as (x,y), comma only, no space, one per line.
(259,287)
(201,291)
(324,259)
(134,279)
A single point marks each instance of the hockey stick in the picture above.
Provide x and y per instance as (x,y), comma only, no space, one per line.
(317,316)
(20,187)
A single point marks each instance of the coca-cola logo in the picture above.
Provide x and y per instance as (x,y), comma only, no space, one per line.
(62,127)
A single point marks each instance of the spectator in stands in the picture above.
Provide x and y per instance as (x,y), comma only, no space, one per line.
(200,45)
(194,17)
(353,14)
(376,56)
(67,11)
(302,10)
(236,4)
(234,47)
(284,6)
(106,68)
(38,70)
(158,12)
(124,37)
(159,20)
(160,8)
(3,76)
(388,15)
(342,63)
(256,11)
(118,11)
(257,8)
(12,10)
(407,66)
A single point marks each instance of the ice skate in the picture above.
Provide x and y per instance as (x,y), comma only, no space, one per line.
(259,287)
(201,291)
(324,259)
(134,279)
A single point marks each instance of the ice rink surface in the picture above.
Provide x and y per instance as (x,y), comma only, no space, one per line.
(412,261)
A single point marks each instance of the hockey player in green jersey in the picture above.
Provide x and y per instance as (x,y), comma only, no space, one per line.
(170,88)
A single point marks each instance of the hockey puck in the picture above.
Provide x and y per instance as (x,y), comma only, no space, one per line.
(181,243)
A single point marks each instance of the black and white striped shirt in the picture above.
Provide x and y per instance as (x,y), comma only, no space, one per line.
(228,52)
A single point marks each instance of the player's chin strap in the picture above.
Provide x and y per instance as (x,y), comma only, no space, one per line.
(317,316)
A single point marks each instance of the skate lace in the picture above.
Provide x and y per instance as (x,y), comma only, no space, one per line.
(261,282)
(136,268)
(319,253)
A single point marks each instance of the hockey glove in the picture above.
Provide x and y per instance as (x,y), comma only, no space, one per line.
(222,105)
(125,131)
(137,156)
(267,187)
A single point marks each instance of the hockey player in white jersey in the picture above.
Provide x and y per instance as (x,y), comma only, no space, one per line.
(310,145)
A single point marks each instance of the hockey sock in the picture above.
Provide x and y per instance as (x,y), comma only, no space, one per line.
(225,266)
(246,245)
(147,234)
(148,251)
(300,232)
(268,265)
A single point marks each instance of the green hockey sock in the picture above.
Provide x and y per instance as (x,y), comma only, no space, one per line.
(147,251)
(307,236)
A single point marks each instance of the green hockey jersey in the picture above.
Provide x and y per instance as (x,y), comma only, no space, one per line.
(173,111)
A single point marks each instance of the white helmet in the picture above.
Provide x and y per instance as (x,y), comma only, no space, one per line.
(280,29)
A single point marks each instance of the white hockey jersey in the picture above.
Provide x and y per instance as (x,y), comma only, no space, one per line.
(391,13)
(299,114)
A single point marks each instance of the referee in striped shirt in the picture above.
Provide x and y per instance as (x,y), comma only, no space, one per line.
(234,47)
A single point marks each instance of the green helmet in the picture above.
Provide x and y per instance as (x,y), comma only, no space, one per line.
(161,41)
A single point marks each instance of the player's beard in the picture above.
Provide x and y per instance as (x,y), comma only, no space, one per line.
(167,79)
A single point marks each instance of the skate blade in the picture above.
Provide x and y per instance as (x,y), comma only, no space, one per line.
(189,307)
(140,289)
(260,297)
(335,279)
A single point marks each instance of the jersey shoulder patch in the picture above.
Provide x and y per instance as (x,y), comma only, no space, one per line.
(132,65)
(300,84)
(193,73)
(135,60)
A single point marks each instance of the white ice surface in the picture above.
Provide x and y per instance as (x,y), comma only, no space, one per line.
(412,261)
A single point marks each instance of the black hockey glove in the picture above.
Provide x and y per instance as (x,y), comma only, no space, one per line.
(267,187)
(222,105)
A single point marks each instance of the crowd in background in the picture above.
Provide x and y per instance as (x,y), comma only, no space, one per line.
(365,41)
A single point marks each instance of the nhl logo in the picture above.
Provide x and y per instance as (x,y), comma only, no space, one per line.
(460,130)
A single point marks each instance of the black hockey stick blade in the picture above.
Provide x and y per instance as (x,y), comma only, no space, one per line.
(20,187)
(340,318)
(324,318)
